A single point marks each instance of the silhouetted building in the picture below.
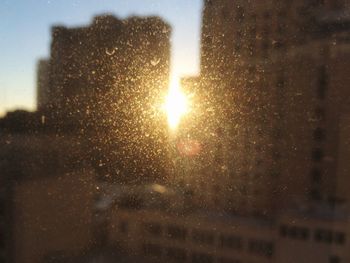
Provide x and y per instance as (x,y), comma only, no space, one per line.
(107,83)
(112,61)
(47,193)
(43,83)
(53,216)
(99,98)
(276,72)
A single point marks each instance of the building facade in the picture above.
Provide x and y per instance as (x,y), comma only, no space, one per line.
(47,196)
(275,74)
(203,238)
(107,82)
(43,83)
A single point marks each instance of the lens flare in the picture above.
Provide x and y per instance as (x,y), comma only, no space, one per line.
(176,104)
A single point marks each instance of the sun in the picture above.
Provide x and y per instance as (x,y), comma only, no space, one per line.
(176,104)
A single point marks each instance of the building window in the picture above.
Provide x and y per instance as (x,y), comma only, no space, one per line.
(334,259)
(280,81)
(152,250)
(123,227)
(322,82)
(202,237)
(228,260)
(323,235)
(177,232)
(231,241)
(239,14)
(2,242)
(225,13)
(316,175)
(251,49)
(261,247)
(319,134)
(265,48)
(316,3)
(327,236)
(2,207)
(339,238)
(320,114)
(237,46)
(267,15)
(315,195)
(281,27)
(176,254)
(336,4)
(317,155)
(276,156)
(201,258)
(277,133)
(251,69)
(283,231)
(153,229)
(304,233)
(292,232)
(275,173)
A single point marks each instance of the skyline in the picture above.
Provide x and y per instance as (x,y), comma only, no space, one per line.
(25,37)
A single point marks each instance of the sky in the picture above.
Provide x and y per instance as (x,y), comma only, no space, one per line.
(25,37)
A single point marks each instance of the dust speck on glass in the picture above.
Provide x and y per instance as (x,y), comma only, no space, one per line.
(202,131)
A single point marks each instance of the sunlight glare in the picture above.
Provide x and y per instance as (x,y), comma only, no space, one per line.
(176,104)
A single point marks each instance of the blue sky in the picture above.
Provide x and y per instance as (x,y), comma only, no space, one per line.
(25,37)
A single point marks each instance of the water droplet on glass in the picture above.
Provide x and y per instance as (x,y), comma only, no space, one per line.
(155,61)
(110,52)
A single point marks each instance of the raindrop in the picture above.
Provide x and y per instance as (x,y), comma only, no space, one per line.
(110,52)
(155,61)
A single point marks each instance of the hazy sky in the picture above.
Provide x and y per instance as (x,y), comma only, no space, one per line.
(25,36)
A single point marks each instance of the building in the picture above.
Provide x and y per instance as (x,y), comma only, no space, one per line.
(107,58)
(191,238)
(320,234)
(43,71)
(47,192)
(53,216)
(180,235)
(274,72)
(107,82)
(97,118)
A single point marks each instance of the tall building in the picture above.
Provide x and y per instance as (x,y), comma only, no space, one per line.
(276,75)
(108,58)
(43,71)
(272,122)
(107,82)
